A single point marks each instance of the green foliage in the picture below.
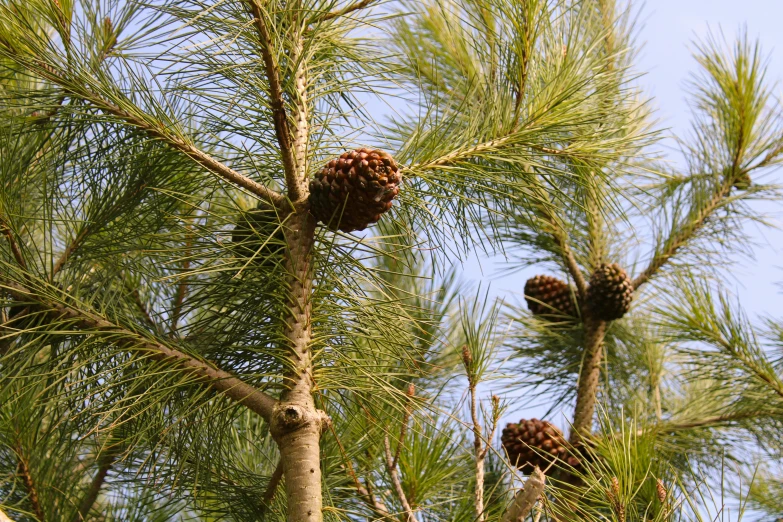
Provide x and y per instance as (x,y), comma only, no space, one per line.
(124,128)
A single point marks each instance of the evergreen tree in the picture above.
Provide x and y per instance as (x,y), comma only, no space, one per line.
(195,327)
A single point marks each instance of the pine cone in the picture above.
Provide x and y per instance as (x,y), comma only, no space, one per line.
(258,234)
(353,191)
(549,296)
(533,442)
(610,293)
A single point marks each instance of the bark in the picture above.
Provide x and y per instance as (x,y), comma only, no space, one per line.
(478,447)
(525,499)
(32,492)
(296,423)
(589,378)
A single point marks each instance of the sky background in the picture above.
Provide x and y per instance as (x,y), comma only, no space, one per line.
(667,31)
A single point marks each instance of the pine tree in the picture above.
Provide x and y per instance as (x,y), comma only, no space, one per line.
(195,327)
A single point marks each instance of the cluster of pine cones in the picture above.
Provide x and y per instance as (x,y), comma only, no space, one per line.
(532,443)
(608,296)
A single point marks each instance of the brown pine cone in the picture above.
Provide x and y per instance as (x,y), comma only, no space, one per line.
(549,296)
(533,442)
(610,293)
(354,190)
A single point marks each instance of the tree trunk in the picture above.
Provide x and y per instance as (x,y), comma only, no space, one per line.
(589,379)
(296,423)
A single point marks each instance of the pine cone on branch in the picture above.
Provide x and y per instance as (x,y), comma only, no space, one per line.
(610,293)
(354,190)
(532,442)
(549,297)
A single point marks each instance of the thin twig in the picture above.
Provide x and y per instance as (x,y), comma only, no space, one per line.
(682,236)
(279,115)
(526,498)
(345,10)
(29,484)
(478,447)
(69,250)
(561,240)
(271,488)
(302,116)
(5,229)
(395,478)
(404,427)
(105,464)
(143,309)
(495,419)
(478,443)
(365,493)
(182,287)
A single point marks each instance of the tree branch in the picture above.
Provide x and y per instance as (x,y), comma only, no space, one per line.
(105,462)
(143,309)
(29,484)
(69,250)
(345,10)
(395,478)
(156,130)
(478,443)
(365,493)
(526,498)
(182,287)
(404,426)
(279,116)
(478,448)
(589,378)
(705,422)
(221,381)
(682,236)
(561,240)
(271,488)
(5,229)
